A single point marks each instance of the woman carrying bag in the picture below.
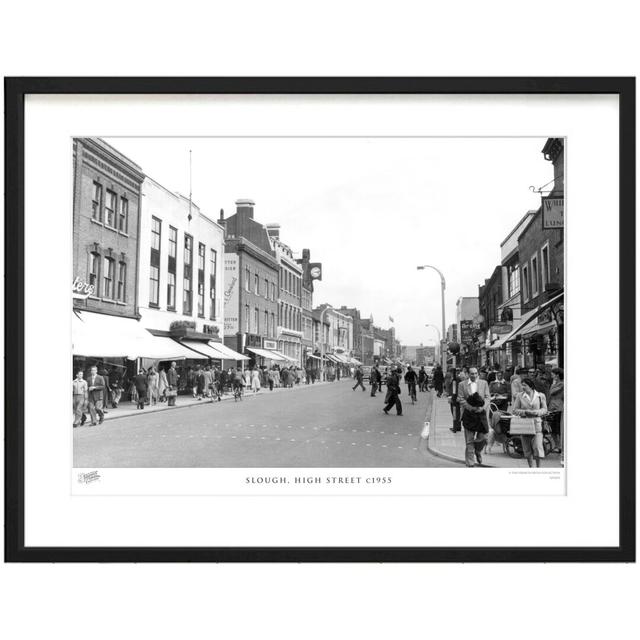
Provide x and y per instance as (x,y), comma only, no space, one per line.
(530,403)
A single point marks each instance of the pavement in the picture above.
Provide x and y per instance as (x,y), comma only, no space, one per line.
(321,425)
(450,446)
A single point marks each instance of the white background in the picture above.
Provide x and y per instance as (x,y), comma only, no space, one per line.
(321,601)
(55,518)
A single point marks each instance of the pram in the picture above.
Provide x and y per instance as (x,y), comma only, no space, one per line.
(500,422)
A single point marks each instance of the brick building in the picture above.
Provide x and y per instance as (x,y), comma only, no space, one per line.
(251,281)
(311,271)
(106,226)
(536,304)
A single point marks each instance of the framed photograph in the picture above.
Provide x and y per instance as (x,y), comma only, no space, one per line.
(320,319)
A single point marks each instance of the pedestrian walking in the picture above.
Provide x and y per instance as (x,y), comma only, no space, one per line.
(359,376)
(531,404)
(141,382)
(374,379)
(255,381)
(80,397)
(475,440)
(207,381)
(516,383)
(96,386)
(454,403)
(115,384)
(153,382)
(438,380)
(556,408)
(271,378)
(172,385)
(393,393)
(106,400)
(422,379)
(162,385)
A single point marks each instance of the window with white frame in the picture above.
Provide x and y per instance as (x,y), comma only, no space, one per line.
(546,266)
(535,279)
(525,283)
(96,203)
(110,209)
(109,274)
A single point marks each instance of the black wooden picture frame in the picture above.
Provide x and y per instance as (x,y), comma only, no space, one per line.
(15,91)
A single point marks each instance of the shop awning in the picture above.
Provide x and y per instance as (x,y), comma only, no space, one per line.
(99,334)
(201,349)
(265,353)
(314,357)
(526,323)
(331,357)
(226,353)
(354,361)
(282,356)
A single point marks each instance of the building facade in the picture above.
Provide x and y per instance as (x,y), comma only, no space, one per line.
(106,226)
(310,273)
(467,312)
(180,275)
(251,276)
(290,279)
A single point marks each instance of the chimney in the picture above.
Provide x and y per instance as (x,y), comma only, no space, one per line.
(244,208)
(221,221)
(273,230)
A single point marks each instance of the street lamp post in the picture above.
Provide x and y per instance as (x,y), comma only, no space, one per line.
(439,338)
(444,328)
(322,342)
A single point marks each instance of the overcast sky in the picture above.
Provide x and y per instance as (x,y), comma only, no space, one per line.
(369,209)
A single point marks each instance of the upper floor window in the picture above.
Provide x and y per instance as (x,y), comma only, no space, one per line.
(110,208)
(534,276)
(188,250)
(256,284)
(513,275)
(123,219)
(546,267)
(96,203)
(266,288)
(109,267)
(526,288)
(94,270)
(156,232)
(173,242)
(201,254)
(247,279)
(122,280)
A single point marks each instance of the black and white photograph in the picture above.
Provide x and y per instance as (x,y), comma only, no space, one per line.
(318,302)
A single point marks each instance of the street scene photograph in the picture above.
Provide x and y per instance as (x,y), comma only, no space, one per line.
(318,302)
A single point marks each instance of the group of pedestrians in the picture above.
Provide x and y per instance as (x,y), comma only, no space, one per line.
(530,393)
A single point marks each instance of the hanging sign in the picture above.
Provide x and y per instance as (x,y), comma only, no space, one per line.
(553,213)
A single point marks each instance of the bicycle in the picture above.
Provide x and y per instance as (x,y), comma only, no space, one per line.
(412,392)
(237,392)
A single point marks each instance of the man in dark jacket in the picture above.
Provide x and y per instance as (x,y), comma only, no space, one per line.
(393,392)
(438,380)
(411,379)
(359,375)
(375,378)
(422,379)
(142,385)
(115,384)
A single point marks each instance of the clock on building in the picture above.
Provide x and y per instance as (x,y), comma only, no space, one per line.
(315,271)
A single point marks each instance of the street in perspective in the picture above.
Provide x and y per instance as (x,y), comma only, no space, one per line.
(370,307)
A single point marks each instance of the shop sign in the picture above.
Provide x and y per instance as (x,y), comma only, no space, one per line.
(553,213)
(466,331)
(270,344)
(501,327)
(231,300)
(81,290)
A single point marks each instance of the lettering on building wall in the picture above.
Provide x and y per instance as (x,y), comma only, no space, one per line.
(81,290)
(231,299)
